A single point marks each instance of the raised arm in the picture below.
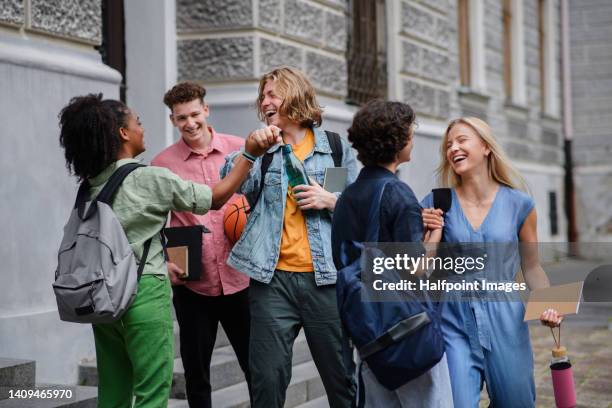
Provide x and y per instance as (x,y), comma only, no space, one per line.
(255,145)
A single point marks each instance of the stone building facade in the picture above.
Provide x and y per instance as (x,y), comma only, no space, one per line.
(228,48)
(47,55)
(591,54)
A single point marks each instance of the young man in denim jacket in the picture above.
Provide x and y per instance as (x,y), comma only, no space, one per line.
(286,248)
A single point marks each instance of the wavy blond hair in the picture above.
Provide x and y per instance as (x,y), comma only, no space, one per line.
(299,100)
(499,165)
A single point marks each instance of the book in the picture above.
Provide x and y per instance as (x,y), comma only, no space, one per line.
(565,299)
(191,238)
(179,256)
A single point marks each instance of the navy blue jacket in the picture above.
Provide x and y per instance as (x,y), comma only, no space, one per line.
(400,212)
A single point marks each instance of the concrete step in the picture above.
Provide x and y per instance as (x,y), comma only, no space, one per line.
(320,402)
(305,385)
(16,374)
(178,403)
(88,374)
(225,370)
(82,397)
(221,340)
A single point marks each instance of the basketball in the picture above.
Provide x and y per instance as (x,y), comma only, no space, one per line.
(235,218)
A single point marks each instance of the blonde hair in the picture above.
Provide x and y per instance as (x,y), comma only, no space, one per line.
(499,166)
(299,100)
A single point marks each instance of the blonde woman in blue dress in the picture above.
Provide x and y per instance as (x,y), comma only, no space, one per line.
(487,341)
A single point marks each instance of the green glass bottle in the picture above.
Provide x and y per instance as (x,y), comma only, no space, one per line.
(294,167)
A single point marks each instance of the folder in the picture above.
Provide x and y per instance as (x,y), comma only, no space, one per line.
(565,299)
(189,238)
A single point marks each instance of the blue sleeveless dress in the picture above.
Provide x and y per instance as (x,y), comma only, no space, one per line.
(488,340)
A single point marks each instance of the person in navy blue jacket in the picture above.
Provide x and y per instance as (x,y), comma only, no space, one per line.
(382,133)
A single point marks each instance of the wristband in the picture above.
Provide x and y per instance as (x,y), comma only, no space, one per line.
(249,157)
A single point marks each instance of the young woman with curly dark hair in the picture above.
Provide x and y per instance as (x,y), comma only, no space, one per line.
(383,134)
(135,353)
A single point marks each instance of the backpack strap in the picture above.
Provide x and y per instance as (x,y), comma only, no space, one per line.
(115,180)
(334,143)
(266,160)
(106,196)
(336,146)
(361,387)
(145,253)
(373,225)
(108,191)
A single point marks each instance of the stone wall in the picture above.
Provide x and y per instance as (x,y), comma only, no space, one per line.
(229,49)
(428,78)
(75,20)
(241,41)
(591,46)
(46,58)
(426,75)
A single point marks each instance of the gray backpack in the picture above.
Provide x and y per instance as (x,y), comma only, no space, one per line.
(97,273)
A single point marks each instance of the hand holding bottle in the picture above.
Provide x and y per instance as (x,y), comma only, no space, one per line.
(314,197)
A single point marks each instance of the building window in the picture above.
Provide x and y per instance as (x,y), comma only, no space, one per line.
(112,48)
(513,52)
(552,213)
(507,24)
(464,42)
(548,64)
(542,48)
(471,44)
(367,52)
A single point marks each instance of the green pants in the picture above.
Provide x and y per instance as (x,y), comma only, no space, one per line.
(278,311)
(135,354)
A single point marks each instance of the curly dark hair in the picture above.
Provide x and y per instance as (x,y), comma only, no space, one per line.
(90,133)
(184,92)
(380,130)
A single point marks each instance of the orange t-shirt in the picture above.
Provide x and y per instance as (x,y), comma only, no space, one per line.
(295,249)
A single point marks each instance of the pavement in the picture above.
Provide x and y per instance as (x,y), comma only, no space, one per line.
(588,339)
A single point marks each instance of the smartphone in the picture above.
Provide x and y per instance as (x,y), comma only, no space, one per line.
(335,179)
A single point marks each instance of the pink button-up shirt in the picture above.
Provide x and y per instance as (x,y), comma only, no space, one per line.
(217,277)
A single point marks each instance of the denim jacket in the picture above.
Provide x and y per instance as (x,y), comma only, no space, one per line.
(256,252)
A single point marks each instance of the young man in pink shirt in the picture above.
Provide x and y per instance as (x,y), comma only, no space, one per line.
(221,294)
